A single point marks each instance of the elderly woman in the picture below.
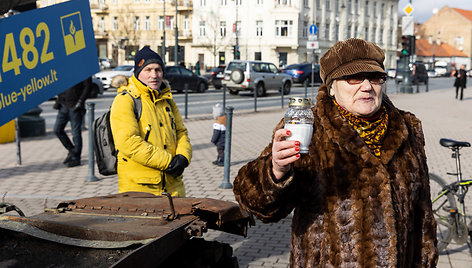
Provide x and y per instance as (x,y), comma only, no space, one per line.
(361,195)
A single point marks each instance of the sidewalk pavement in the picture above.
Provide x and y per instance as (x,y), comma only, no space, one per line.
(42,181)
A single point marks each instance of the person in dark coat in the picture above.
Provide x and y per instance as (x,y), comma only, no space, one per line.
(71,106)
(460,82)
(360,197)
(219,134)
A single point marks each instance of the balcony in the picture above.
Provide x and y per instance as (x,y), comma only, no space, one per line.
(183,5)
(99,8)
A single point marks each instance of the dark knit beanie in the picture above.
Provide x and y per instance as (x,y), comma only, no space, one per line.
(350,57)
(144,57)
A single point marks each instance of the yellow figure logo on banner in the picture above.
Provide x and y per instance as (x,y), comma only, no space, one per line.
(73,32)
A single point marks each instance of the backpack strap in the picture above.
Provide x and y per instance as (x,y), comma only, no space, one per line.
(138,106)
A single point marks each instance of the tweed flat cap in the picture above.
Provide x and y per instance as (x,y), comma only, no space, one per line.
(350,57)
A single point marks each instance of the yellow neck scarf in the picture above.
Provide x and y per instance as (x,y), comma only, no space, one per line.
(371,130)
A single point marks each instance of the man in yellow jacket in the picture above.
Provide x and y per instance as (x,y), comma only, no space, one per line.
(154,150)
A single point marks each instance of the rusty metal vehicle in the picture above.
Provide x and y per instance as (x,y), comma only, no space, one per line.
(121,230)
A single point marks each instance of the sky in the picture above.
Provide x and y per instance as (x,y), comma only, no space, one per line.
(423,9)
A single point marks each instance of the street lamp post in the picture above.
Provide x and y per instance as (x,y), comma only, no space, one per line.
(163,50)
(176,35)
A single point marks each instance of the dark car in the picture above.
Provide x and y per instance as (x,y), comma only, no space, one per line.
(215,76)
(419,74)
(302,72)
(178,76)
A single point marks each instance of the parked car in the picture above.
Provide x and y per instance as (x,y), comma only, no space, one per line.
(97,88)
(302,72)
(178,76)
(391,72)
(242,75)
(419,74)
(215,76)
(432,73)
(106,76)
(106,63)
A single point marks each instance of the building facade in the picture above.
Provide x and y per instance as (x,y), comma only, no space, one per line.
(452,26)
(278,30)
(210,31)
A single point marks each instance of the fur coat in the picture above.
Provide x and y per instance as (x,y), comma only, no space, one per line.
(351,209)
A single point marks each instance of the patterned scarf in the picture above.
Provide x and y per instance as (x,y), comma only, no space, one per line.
(371,130)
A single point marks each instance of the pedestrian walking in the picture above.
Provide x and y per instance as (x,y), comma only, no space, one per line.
(361,194)
(460,82)
(197,67)
(154,149)
(71,108)
(219,134)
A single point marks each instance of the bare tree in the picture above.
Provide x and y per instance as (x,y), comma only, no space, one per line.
(214,41)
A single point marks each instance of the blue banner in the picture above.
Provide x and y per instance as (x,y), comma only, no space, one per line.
(43,53)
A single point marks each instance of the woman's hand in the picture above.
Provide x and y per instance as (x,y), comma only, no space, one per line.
(284,153)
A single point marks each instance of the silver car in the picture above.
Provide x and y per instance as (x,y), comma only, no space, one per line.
(242,75)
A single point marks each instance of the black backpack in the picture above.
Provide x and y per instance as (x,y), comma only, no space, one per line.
(103,143)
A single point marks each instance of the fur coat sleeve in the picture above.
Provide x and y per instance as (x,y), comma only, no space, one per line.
(351,208)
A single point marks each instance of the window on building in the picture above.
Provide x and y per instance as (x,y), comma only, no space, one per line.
(260,2)
(101,24)
(202,3)
(356,33)
(374,11)
(305,29)
(366,8)
(356,7)
(186,23)
(147,1)
(283,27)
(223,3)
(305,3)
(160,23)
(136,1)
(202,28)
(336,32)
(327,31)
(147,23)
(327,4)
(349,6)
(374,35)
(136,23)
(381,36)
(115,23)
(259,28)
(366,33)
(239,2)
(284,2)
(222,28)
(336,6)
(351,31)
(238,27)
(257,55)
(318,4)
(171,22)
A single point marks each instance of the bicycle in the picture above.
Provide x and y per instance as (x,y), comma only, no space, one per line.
(451,220)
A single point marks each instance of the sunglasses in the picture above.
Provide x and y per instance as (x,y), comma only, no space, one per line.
(373,78)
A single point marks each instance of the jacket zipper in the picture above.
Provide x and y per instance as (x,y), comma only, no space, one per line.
(148,131)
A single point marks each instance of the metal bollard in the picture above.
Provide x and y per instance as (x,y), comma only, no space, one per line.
(186,100)
(91,163)
(282,94)
(224,96)
(306,87)
(255,100)
(18,142)
(229,121)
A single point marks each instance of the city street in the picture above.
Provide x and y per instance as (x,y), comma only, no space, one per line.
(42,181)
(201,103)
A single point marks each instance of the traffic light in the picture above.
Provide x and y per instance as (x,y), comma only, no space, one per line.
(238,55)
(405,46)
(408,45)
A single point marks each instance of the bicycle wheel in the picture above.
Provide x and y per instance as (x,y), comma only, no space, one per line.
(442,202)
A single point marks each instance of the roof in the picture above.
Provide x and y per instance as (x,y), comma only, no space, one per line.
(464,12)
(425,48)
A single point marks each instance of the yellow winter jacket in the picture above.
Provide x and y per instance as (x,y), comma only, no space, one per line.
(146,147)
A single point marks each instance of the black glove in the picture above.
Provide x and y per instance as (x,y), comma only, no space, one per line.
(56,106)
(79,106)
(177,165)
